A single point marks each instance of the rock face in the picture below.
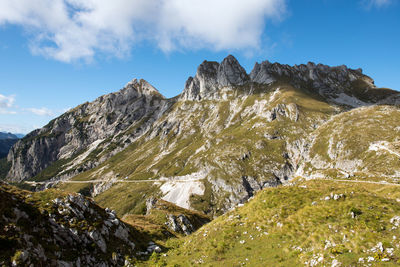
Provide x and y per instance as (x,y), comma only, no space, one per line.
(339,84)
(180,224)
(325,79)
(87,135)
(211,76)
(69,230)
(103,126)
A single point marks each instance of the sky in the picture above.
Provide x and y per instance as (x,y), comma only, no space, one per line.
(57,54)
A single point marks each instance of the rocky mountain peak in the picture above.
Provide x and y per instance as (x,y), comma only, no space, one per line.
(142,87)
(261,74)
(83,128)
(230,72)
(211,76)
(329,82)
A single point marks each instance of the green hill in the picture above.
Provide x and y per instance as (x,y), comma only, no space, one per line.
(312,223)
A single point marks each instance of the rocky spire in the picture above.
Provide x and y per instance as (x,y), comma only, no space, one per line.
(260,73)
(230,72)
(211,76)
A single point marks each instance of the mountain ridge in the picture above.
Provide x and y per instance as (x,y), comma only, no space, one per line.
(240,132)
(137,97)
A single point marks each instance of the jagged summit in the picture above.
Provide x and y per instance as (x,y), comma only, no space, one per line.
(338,84)
(89,134)
(327,81)
(230,72)
(142,87)
(211,76)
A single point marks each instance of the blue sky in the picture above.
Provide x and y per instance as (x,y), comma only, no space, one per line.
(56,54)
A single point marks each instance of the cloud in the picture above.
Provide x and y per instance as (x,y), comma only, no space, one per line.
(6,103)
(40,111)
(70,30)
(14,128)
(377,3)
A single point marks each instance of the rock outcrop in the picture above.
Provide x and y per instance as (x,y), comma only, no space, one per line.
(211,76)
(60,230)
(177,219)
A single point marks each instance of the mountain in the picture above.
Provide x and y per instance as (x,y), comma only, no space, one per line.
(19,135)
(7,140)
(93,130)
(8,136)
(297,165)
(228,135)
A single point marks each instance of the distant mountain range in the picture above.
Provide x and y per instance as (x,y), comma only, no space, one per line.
(8,136)
(7,140)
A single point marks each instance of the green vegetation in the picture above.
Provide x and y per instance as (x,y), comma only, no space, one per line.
(154,222)
(346,139)
(294,225)
(131,198)
(51,171)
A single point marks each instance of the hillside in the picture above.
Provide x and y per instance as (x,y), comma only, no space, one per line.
(7,140)
(310,223)
(53,228)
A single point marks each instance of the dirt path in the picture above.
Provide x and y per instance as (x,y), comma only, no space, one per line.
(377,147)
(115,181)
(359,181)
(193,180)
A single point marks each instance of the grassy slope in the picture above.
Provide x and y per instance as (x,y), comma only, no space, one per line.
(292,225)
(154,223)
(348,137)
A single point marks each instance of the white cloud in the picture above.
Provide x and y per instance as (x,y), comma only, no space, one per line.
(6,103)
(40,111)
(377,3)
(14,128)
(69,30)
